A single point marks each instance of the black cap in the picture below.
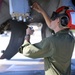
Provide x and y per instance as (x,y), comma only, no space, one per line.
(55,15)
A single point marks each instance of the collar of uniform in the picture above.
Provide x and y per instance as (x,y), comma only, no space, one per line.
(63,31)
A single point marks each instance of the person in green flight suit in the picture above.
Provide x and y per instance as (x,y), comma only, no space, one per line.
(57,49)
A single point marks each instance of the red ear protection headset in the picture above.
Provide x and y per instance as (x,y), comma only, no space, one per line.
(70,15)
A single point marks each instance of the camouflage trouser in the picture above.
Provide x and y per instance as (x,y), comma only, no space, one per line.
(54,71)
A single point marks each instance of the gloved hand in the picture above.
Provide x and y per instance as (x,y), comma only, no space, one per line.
(29,31)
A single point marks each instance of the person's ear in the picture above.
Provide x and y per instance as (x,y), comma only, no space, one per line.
(58,20)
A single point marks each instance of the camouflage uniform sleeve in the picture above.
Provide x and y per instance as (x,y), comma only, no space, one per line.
(38,50)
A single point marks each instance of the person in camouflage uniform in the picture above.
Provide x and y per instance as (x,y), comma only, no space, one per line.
(56,50)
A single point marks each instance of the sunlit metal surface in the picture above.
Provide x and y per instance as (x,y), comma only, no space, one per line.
(22,65)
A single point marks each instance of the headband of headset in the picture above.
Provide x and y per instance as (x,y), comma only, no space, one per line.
(62,8)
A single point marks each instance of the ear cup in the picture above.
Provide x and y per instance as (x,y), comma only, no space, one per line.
(64,20)
(60,9)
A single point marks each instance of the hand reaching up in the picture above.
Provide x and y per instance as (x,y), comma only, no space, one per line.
(37,7)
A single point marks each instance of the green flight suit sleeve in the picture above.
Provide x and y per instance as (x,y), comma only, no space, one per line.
(38,50)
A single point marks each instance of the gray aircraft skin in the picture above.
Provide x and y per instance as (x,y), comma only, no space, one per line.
(16,40)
